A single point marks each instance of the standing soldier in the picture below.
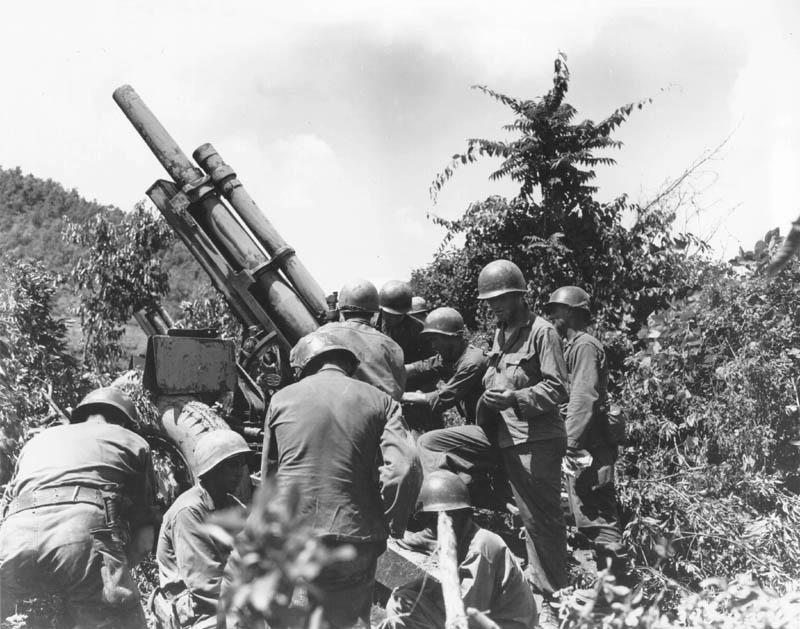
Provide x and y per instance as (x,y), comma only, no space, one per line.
(344,443)
(78,512)
(190,560)
(591,489)
(381,359)
(458,365)
(397,322)
(518,423)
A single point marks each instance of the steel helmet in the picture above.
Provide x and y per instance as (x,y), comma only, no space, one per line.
(500,277)
(358,295)
(447,321)
(312,346)
(110,402)
(571,296)
(214,447)
(418,305)
(395,297)
(443,491)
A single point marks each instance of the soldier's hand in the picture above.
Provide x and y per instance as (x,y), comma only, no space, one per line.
(414,397)
(479,620)
(499,399)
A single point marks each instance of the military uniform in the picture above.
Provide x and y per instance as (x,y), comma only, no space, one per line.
(381,359)
(462,382)
(77,492)
(330,433)
(407,335)
(529,439)
(189,559)
(491,581)
(591,490)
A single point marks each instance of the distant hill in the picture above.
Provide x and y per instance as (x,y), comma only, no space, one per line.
(32,212)
(32,217)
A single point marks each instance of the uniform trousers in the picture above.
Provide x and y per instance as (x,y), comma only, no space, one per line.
(534,472)
(344,589)
(593,504)
(68,549)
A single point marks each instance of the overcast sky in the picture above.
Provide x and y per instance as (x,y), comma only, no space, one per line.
(337,115)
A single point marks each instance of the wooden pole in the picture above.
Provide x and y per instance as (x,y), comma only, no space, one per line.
(448,573)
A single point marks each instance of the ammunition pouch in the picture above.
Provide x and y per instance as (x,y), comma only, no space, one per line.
(173,606)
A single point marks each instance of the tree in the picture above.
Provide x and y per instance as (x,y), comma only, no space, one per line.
(39,380)
(555,229)
(119,273)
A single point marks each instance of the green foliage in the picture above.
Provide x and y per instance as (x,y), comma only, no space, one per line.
(276,551)
(552,156)
(119,273)
(210,312)
(33,213)
(711,469)
(554,229)
(720,604)
(37,375)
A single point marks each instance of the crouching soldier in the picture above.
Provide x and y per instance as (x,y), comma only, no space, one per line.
(491,579)
(78,513)
(345,445)
(458,366)
(190,560)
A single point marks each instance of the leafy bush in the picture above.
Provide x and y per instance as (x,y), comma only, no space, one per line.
(39,380)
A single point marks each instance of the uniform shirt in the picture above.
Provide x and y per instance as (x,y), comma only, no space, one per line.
(345,444)
(381,358)
(530,363)
(493,582)
(588,382)
(186,552)
(95,455)
(462,381)
(408,337)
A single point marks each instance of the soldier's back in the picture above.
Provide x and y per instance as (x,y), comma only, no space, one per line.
(381,358)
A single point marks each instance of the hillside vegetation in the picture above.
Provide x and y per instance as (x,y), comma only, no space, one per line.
(34,216)
(705,359)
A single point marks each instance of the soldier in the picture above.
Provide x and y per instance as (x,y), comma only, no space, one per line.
(590,489)
(459,365)
(491,579)
(344,443)
(79,512)
(518,423)
(381,359)
(396,322)
(190,560)
(419,308)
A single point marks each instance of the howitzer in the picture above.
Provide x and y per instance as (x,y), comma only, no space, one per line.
(244,255)
(249,263)
(263,281)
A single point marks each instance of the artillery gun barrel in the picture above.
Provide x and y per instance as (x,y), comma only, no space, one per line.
(166,150)
(228,184)
(253,270)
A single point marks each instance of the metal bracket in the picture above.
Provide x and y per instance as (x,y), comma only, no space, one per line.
(179,204)
(276,262)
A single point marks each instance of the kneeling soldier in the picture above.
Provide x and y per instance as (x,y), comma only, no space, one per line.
(458,365)
(190,560)
(78,512)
